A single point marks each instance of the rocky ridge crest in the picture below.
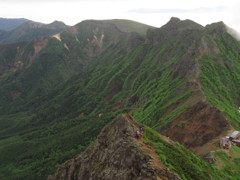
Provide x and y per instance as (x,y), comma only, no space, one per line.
(115,155)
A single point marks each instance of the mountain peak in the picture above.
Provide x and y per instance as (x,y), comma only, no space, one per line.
(30,24)
(173,28)
(174,20)
(218,27)
(58,24)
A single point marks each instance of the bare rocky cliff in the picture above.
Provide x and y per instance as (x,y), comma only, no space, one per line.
(115,155)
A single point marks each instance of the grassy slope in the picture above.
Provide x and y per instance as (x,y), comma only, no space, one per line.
(229,162)
(187,165)
(220,76)
(190,167)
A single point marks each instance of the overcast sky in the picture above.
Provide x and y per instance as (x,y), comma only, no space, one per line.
(152,12)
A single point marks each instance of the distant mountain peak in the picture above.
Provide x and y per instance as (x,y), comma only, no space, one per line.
(58,23)
(175,22)
(174,27)
(218,27)
(31,24)
(8,24)
(217,24)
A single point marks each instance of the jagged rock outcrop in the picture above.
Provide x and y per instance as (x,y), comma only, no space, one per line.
(115,155)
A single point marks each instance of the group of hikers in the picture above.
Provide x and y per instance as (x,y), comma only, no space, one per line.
(139,133)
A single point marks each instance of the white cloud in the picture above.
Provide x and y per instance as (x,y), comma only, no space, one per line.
(171,10)
(234,33)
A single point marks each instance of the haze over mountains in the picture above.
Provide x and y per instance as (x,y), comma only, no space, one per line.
(13,30)
(10,24)
(61,85)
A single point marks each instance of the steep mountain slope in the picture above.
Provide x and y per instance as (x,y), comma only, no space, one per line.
(7,24)
(32,92)
(219,85)
(118,155)
(29,30)
(115,155)
(198,44)
(58,92)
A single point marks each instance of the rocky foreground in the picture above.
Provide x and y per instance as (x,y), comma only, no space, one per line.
(115,155)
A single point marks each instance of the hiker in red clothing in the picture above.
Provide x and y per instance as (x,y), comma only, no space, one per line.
(138,134)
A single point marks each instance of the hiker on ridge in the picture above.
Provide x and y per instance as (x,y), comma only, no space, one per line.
(137,134)
(141,128)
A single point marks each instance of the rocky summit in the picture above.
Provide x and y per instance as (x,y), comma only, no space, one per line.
(116,154)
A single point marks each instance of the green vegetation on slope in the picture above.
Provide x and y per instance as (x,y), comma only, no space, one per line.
(187,165)
(220,77)
(229,163)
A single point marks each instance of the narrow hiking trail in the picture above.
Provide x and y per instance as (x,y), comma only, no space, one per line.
(147,148)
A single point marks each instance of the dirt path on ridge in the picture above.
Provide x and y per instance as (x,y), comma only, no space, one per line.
(147,149)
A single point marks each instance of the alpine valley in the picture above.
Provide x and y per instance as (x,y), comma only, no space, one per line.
(69,96)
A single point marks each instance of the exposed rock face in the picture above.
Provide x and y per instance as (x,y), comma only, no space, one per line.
(18,61)
(201,123)
(115,155)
